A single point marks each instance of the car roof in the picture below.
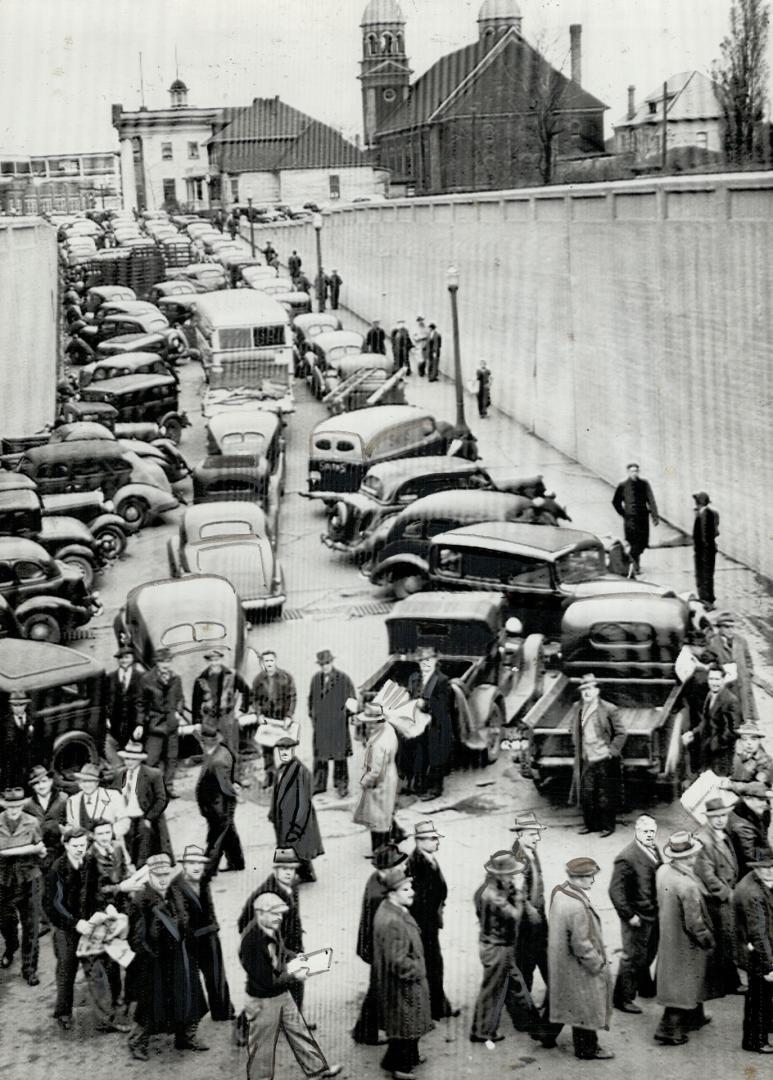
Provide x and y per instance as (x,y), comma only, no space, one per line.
(128,340)
(13,547)
(651,608)
(112,292)
(139,358)
(78,449)
(315,318)
(228,510)
(541,540)
(239,307)
(331,338)
(464,501)
(369,422)
(84,429)
(103,407)
(141,319)
(33,665)
(260,421)
(16,481)
(122,384)
(394,472)
(171,601)
(456,606)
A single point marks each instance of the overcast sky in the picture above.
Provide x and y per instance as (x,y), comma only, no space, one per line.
(64,62)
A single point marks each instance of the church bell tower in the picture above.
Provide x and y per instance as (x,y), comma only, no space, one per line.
(384,70)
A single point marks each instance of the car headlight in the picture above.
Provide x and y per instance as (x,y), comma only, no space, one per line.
(162,430)
(108,506)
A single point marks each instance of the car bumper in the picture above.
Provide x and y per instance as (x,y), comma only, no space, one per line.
(163,506)
(264,603)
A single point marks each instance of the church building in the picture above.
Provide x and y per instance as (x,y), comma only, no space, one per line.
(494,114)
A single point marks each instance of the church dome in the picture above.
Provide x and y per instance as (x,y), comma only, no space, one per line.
(382,11)
(499,10)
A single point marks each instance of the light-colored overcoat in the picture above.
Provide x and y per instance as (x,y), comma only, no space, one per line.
(379,782)
(686,938)
(579,974)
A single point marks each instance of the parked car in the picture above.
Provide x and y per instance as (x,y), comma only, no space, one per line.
(48,598)
(142,399)
(540,569)
(343,448)
(162,290)
(121,323)
(159,452)
(172,345)
(98,295)
(204,277)
(231,538)
(306,328)
(294,301)
(115,367)
(630,643)
(495,674)
(328,349)
(124,307)
(361,380)
(189,616)
(254,276)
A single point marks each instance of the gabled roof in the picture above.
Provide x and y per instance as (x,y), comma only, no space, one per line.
(691,96)
(452,74)
(270,135)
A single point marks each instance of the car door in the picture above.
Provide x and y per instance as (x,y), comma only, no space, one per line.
(35,578)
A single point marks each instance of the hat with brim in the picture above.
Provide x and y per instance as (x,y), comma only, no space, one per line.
(504,863)
(133,751)
(214,654)
(582,867)
(39,772)
(750,730)
(13,796)
(285,740)
(589,679)
(526,821)
(207,733)
(394,876)
(682,844)
(701,498)
(286,856)
(426,652)
(425,830)
(87,772)
(717,806)
(18,697)
(270,903)
(325,657)
(193,853)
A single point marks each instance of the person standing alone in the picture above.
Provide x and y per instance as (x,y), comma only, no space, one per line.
(634,502)
(705,531)
(328,693)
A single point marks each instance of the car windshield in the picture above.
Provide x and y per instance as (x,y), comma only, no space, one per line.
(225,528)
(189,633)
(372,486)
(579,566)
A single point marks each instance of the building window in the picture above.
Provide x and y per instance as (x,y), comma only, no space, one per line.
(653,107)
(170,191)
(193,151)
(389,94)
(372,45)
(235,189)
(386,44)
(702,139)
(166,151)
(335,186)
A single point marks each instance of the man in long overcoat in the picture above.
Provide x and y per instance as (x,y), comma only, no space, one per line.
(633,893)
(161,978)
(531,947)
(686,942)
(705,530)
(146,800)
(580,980)
(727,646)
(635,503)
(430,893)
(292,812)
(599,736)
(225,694)
(384,858)
(434,344)
(715,735)
(274,698)
(379,781)
(334,283)
(49,806)
(161,701)
(401,347)
(431,751)
(401,975)
(21,744)
(329,691)
(216,795)
(375,339)
(748,825)
(753,904)
(717,867)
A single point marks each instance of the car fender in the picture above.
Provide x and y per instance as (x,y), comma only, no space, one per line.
(112,519)
(75,549)
(148,492)
(479,704)
(181,417)
(384,569)
(63,610)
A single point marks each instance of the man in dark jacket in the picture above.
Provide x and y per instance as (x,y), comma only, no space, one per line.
(123,691)
(434,343)
(375,339)
(63,901)
(335,281)
(401,347)
(432,750)
(634,502)
(753,911)
(705,531)
(531,947)
(430,892)
(270,1007)
(633,893)
(283,880)
(274,698)
(748,826)
(329,691)
(715,735)
(21,852)
(146,800)
(294,263)
(160,703)
(292,811)
(599,736)
(49,806)
(216,795)
(225,695)
(717,867)
(21,745)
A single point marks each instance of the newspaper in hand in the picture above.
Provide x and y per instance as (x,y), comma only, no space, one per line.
(705,787)
(316,962)
(401,710)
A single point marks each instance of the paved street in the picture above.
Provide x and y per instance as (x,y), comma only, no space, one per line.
(329,605)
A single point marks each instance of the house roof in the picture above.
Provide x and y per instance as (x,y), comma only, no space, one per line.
(691,96)
(269,135)
(522,65)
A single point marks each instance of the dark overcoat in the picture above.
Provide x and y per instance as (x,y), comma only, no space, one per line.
(122,705)
(715,734)
(635,503)
(734,649)
(438,737)
(717,867)
(204,944)
(753,917)
(332,739)
(292,811)
(748,834)
(686,938)
(633,890)
(430,890)
(400,973)
(375,891)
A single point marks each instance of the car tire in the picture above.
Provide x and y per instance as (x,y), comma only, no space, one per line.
(173,430)
(41,626)
(133,510)
(111,540)
(495,722)
(408,584)
(80,562)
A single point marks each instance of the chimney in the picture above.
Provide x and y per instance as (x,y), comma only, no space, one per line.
(575,36)
(631,102)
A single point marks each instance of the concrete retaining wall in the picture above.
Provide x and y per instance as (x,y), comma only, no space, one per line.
(28,325)
(628,319)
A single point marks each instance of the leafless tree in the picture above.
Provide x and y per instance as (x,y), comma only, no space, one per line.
(741,76)
(547,88)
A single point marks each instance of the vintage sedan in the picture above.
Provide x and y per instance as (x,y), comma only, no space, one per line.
(115,367)
(251,431)
(306,328)
(144,400)
(231,539)
(189,616)
(204,277)
(98,295)
(49,598)
(328,348)
(361,380)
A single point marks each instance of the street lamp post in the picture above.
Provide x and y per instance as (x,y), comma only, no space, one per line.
(317,223)
(36,182)
(252,226)
(452,280)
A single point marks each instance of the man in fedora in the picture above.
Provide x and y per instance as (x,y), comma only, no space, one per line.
(226,695)
(366,1030)
(328,693)
(379,781)
(432,750)
(93,802)
(748,825)
(161,701)
(531,949)
(63,901)
(633,893)
(123,689)
(20,742)
(292,811)
(21,853)
(430,893)
(686,942)
(753,917)
(599,736)
(146,800)
(216,796)
(165,982)
(717,867)
(634,502)
(499,907)
(274,698)
(580,982)
(751,760)
(727,647)
(49,806)
(203,929)
(270,1007)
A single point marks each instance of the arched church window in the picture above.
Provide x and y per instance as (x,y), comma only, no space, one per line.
(400,43)
(386,44)
(372,45)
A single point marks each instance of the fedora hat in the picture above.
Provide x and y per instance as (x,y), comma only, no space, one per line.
(285,856)
(387,855)
(526,821)
(285,740)
(133,751)
(394,876)
(681,844)
(717,806)
(424,830)
(214,654)
(161,861)
(504,863)
(18,697)
(207,731)
(324,656)
(39,772)
(588,679)
(13,796)
(582,867)
(750,730)
(123,651)
(194,853)
(88,772)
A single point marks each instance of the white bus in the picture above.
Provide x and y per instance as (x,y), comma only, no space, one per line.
(246,346)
